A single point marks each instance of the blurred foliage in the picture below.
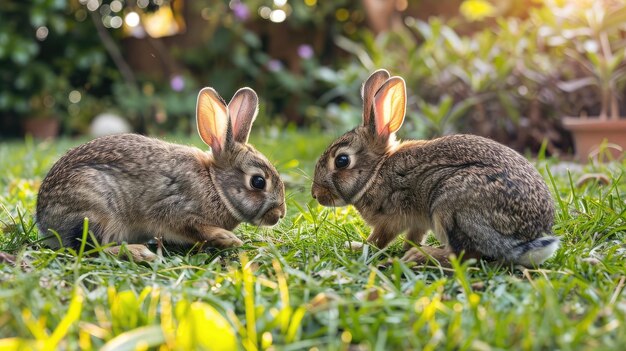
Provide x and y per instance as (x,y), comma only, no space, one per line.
(47,50)
(479,82)
(281,60)
(504,69)
(590,34)
(50,49)
(510,78)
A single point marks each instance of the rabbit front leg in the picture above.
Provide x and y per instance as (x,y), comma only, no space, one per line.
(381,236)
(414,237)
(218,237)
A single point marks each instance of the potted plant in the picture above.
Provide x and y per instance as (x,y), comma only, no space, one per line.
(42,122)
(592,34)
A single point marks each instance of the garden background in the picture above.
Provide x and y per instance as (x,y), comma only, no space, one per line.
(508,70)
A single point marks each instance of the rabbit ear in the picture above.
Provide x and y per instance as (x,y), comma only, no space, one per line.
(368,90)
(390,106)
(213,123)
(242,110)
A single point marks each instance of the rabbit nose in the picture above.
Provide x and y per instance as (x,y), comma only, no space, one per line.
(282,209)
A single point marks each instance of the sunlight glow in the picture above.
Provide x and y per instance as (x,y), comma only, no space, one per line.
(278,16)
(132,19)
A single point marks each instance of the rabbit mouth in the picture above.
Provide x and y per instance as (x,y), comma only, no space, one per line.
(326,198)
(272,216)
(331,201)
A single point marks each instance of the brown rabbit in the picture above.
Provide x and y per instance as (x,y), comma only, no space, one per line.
(478,196)
(134,188)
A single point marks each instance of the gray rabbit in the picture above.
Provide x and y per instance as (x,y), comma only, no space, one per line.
(134,188)
(478,196)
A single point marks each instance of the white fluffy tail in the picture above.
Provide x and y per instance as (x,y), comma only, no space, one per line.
(535,252)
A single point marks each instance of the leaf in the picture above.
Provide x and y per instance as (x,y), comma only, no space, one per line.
(291,164)
(125,309)
(201,326)
(424,29)
(356,49)
(72,315)
(15,344)
(614,18)
(445,105)
(463,106)
(452,38)
(143,337)
(509,105)
(296,321)
(573,85)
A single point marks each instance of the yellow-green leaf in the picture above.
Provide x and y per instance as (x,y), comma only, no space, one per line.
(143,337)
(202,327)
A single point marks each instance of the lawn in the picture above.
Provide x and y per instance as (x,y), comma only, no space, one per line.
(297,286)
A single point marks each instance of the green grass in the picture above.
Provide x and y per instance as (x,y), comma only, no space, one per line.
(296,286)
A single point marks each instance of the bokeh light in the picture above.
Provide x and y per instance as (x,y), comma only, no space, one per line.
(132,19)
(92,5)
(305,51)
(240,10)
(116,22)
(278,16)
(116,6)
(274,65)
(206,13)
(265,12)
(42,33)
(80,15)
(177,83)
(75,96)
(342,15)
(105,10)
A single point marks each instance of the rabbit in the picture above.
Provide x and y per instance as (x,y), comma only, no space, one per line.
(134,188)
(479,197)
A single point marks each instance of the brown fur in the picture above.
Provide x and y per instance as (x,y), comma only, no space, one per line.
(478,196)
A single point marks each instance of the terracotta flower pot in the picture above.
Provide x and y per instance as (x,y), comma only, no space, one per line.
(589,133)
(42,128)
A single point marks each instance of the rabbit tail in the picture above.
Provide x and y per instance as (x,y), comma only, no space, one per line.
(535,252)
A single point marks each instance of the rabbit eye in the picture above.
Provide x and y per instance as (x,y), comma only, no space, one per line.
(257,182)
(342,161)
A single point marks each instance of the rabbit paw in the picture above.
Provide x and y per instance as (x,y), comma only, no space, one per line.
(223,239)
(133,252)
(424,254)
